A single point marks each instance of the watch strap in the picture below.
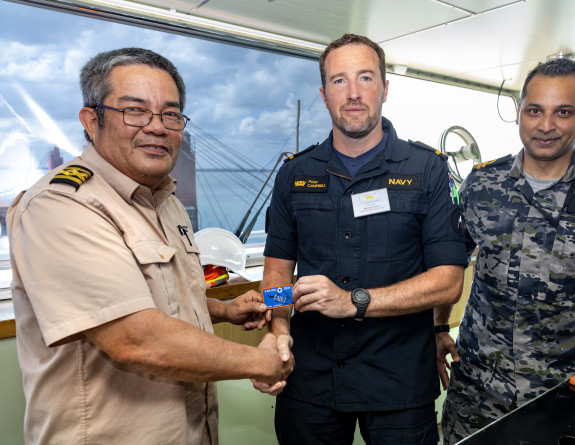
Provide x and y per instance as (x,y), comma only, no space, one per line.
(442,328)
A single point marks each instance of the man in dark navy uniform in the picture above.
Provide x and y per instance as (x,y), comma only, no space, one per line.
(372,223)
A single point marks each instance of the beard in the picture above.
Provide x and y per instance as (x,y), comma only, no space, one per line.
(356,127)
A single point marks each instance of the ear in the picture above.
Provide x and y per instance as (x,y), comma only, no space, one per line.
(89,120)
(385,88)
(322,92)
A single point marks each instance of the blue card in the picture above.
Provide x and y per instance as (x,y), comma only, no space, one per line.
(278,296)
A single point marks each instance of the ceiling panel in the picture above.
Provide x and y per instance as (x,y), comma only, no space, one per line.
(491,47)
(482,41)
(477,6)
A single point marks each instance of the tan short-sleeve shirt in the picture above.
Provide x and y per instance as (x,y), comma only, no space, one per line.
(81,258)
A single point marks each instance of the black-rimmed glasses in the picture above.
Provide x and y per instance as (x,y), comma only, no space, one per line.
(140,117)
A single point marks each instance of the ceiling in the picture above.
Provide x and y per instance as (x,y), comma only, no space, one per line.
(477,41)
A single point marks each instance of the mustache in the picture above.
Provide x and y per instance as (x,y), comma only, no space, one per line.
(354,103)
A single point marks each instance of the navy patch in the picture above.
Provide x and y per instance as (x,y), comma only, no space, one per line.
(74,175)
(399,181)
(310,184)
(493,162)
(457,221)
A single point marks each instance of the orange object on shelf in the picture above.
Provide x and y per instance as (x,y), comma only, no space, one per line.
(215,275)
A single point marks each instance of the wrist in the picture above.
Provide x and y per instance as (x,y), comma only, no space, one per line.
(441,328)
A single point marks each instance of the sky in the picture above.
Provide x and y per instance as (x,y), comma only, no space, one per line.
(234,94)
(243,101)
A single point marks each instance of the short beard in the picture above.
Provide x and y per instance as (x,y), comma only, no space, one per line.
(357,133)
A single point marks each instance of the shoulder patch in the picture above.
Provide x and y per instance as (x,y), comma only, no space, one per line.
(295,155)
(427,147)
(493,162)
(74,175)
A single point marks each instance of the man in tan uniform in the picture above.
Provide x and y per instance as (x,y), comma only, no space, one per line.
(114,331)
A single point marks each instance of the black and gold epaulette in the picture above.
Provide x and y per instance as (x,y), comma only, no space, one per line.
(427,147)
(493,162)
(74,175)
(295,155)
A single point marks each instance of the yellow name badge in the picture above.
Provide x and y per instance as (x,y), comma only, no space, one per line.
(368,203)
(278,296)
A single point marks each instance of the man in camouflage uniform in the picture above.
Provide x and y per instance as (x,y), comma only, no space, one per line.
(517,335)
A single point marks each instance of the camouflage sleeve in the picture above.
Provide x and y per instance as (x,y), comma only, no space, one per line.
(470,245)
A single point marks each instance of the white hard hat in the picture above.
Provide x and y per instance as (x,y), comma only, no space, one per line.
(221,247)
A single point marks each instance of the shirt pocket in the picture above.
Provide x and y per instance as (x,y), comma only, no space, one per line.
(315,219)
(396,234)
(154,259)
(196,270)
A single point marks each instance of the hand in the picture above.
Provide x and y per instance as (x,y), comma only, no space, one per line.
(445,345)
(249,311)
(282,344)
(319,293)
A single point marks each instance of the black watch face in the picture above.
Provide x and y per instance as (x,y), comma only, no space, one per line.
(360,296)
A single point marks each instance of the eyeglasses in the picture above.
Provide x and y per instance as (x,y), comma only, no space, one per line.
(139,117)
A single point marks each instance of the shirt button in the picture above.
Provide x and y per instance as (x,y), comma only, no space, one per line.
(345,280)
(341,364)
(348,235)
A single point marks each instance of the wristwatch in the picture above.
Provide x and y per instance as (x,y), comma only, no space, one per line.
(361,298)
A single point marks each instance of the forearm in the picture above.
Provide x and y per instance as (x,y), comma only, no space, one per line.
(441,314)
(278,272)
(217,310)
(154,343)
(438,286)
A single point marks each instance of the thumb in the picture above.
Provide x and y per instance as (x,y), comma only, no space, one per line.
(284,343)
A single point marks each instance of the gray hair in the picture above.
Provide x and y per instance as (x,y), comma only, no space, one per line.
(95,75)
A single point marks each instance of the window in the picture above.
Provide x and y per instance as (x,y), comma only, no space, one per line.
(243,104)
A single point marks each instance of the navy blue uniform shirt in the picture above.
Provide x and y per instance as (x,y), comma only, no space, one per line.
(378,363)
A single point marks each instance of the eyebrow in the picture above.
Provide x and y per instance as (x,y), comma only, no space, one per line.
(359,74)
(142,101)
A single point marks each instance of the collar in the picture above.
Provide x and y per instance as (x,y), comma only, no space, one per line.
(517,168)
(392,151)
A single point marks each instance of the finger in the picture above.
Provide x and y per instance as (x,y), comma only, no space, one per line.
(284,345)
(444,377)
(272,390)
(250,325)
(262,322)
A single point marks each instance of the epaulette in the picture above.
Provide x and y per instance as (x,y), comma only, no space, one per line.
(74,175)
(427,147)
(493,162)
(295,155)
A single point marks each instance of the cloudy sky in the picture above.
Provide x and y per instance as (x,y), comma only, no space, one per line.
(245,99)
(234,94)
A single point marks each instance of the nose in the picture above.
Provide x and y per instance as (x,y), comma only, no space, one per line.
(156,126)
(547,122)
(353,90)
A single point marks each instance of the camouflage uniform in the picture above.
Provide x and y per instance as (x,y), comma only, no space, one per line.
(517,334)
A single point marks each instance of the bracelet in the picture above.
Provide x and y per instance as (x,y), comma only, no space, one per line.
(441,328)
